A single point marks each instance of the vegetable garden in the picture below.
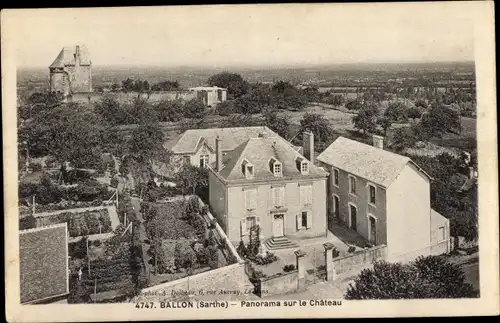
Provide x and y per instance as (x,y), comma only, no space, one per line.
(82,224)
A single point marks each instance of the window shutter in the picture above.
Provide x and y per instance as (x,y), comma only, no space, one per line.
(243,225)
(253,199)
(299,221)
(309,220)
(281,197)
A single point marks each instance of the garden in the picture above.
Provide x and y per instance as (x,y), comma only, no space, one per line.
(82,224)
(50,196)
(116,269)
(181,241)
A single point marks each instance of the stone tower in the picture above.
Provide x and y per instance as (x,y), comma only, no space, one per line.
(71,71)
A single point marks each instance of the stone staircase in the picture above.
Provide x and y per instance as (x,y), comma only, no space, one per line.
(277,243)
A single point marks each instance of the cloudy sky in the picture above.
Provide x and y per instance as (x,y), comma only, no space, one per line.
(246,35)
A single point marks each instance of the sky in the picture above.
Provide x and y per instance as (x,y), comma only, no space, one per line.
(265,35)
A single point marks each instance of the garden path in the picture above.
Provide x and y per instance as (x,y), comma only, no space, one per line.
(113,216)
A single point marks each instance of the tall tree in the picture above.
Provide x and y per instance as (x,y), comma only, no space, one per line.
(319,125)
(366,118)
(235,84)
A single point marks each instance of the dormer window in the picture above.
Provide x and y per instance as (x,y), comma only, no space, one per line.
(247,169)
(275,167)
(304,167)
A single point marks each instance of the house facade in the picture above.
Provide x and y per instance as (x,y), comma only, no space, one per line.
(71,71)
(266,182)
(210,95)
(385,197)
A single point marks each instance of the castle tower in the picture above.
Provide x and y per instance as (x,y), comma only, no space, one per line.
(71,71)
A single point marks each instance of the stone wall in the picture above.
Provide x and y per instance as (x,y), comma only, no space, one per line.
(129,97)
(280,283)
(359,259)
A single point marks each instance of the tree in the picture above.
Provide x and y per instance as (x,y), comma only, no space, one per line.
(366,118)
(396,112)
(170,110)
(385,123)
(68,132)
(278,123)
(192,179)
(354,105)
(440,120)
(319,125)
(236,86)
(194,109)
(414,113)
(426,277)
(146,143)
(421,103)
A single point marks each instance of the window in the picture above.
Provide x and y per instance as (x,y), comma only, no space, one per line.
(304,168)
(352,185)
(304,220)
(305,194)
(250,199)
(247,169)
(251,222)
(277,169)
(371,194)
(278,196)
(441,234)
(204,160)
(336,177)
(187,160)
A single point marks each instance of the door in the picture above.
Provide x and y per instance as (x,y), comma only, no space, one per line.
(336,207)
(352,214)
(373,230)
(278,225)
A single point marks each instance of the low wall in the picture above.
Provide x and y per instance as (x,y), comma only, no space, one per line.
(281,283)
(441,248)
(228,278)
(128,97)
(359,259)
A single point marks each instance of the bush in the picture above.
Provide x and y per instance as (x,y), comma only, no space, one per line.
(260,260)
(97,243)
(288,268)
(351,249)
(242,250)
(335,253)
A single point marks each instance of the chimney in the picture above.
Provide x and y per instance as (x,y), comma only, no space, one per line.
(308,145)
(218,154)
(378,141)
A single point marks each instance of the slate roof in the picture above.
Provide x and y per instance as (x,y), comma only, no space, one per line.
(376,165)
(259,151)
(43,257)
(66,57)
(190,140)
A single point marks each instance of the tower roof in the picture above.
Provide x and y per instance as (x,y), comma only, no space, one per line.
(67,54)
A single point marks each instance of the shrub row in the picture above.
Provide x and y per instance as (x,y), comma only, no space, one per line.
(83,224)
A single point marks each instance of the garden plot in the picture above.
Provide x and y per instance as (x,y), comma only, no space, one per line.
(81,224)
(112,267)
(181,243)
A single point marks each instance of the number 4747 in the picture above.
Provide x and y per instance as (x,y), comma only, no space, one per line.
(144,305)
